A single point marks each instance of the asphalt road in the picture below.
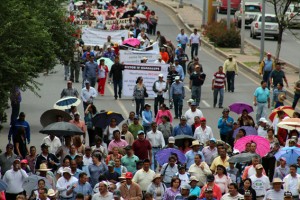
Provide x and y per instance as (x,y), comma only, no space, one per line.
(52,85)
(291,37)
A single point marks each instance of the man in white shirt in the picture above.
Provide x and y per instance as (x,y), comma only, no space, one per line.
(262,128)
(203,133)
(191,113)
(103,194)
(14,178)
(65,183)
(276,192)
(160,87)
(233,193)
(200,170)
(87,157)
(88,94)
(157,142)
(144,176)
(292,182)
(53,143)
(195,41)
(159,60)
(260,182)
(169,170)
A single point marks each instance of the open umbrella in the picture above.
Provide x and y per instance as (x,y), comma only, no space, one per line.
(290,124)
(102,120)
(108,62)
(66,103)
(62,129)
(3,186)
(179,140)
(31,183)
(262,144)
(238,107)
(50,116)
(249,131)
(290,153)
(141,16)
(162,156)
(132,42)
(128,14)
(288,110)
(242,157)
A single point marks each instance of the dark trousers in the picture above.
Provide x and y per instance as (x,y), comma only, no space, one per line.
(230,80)
(85,105)
(139,106)
(183,46)
(91,136)
(157,102)
(296,98)
(15,109)
(178,103)
(196,94)
(92,81)
(266,76)
(227,137)
(194,49)
(75,69)
(269,166)
(118,83)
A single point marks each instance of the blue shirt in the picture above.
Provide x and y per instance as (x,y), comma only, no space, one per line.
(222,125)
(76,174)
(183,130)
(177,88)
(14,129)
(190,156)
(84,189)
(90,70)
(179,69)
(182,39)
(147,118)
(262,95)
(268,65)
(84,55)
(111,55)
(195,191)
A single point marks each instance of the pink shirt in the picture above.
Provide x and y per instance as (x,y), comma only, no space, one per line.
(120,144)
(161,113)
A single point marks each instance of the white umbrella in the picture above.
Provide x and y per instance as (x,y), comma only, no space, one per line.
(66,103)
(141,16)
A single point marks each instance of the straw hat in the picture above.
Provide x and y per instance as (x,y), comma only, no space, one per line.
(195,143)
(156,176)
(67,170)
(51,193)
(277,180)
(43,168)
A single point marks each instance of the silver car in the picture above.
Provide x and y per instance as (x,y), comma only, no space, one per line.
(251,10)
(271,26)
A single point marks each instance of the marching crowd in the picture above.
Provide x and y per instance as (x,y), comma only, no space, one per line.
(148,156)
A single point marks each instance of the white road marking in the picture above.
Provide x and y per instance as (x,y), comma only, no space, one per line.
(118,101)
(205,103)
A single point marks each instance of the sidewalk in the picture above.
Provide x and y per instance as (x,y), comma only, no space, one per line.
(191,17)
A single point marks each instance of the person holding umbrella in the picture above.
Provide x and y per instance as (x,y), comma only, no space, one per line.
(245,119)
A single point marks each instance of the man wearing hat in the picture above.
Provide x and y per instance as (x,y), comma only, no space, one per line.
(230,68)
(195,189)
(171,143)
(177,94)
(247,195)
(90,71)
(265,68)
(208,193)
(70,91)
(111,175)
(183,128)
(282,170)
(135,127)
(66,183)
(14,178)
(288,195)
(276,192)
(51,194)
(211,190)
(262,127)
(197,79)
(129,160)
(7,158)
(292,182)
(184,192)
(203,133)
(142,147)
(190,155)
(171,79)
(130,189)
(159,60)
(51,159)
(193,112)
(88,94)
(160,87)
(260,182)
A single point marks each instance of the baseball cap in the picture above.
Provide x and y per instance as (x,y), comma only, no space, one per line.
(129,175)
(10,146)
(160,75)
(190,101)
(24,161)
(177,77)
(78,155)
(194,104)
(226,110)
(283,158)
(111,163)
(207,190)
(259,166)
(136,117)
(202,119)
(44,145)
(213,140)
(176,59)
(171,140)
(140,132)
(186,187)
(247,193)
(262,119)
(210,178)
(288,194)
(269,54)
(183,118)
(86,82)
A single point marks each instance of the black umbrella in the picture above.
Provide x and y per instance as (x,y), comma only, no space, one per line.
(179,140)
(102,120)
(62,129)
(242,157)
(129,12)
(50,116)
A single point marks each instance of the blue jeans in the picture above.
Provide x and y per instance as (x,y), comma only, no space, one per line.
(261,110)
(178,103)
(92,81)
(154,161)
(194,49)
(296,98)
(196,94)
(118,83)
(139,106)
(216,92)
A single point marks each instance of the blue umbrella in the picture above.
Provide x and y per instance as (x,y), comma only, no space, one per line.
(102,120)
(162,156)
(249,131)
(289,153)
(3,186)
(66,103)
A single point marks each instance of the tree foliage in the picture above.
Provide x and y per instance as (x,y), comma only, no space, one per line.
(33,35)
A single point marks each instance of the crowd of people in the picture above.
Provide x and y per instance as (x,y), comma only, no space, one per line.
(121,161)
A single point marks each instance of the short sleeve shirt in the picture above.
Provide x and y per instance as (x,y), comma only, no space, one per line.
(277,77)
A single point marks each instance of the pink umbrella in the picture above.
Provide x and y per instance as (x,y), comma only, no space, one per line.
(132,42)
(262,144)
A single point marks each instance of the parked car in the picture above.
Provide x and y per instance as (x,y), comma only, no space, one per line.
(222,8)
(251,10)
(271,26)
(293,15)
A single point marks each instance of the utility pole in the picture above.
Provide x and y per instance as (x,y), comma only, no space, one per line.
(181,4)
(204,13)
(228,13)
(243,28)
(262,37)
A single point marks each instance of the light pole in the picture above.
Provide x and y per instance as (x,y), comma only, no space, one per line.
(204,13)
(228,13)
(262,37)
(243,28)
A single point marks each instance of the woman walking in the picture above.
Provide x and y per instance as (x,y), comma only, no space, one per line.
(102,74)
(139,95)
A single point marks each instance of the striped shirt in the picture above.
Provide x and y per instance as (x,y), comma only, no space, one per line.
(219,78)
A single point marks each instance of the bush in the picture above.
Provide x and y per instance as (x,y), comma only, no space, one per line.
(217,32)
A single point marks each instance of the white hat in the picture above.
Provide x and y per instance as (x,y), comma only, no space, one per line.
(262,119)
(177,78)
(51,193)
(190,101)
(160,75)
(67,170)
(145,58)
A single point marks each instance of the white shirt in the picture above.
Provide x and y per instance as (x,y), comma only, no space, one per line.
(87,96)
(272,194)
(189,115)
(260,185)
(195,38)
(53,144)
(161,62)
(227,196)
(160,86)
(87,161)
(143,178)
(63,185)
(108,196)
(156,139)
(203,135)
(261,132)
(14,180)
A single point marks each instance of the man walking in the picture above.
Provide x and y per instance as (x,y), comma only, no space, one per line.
(117,76)
(182,39)
(261,100)
(15,100)
(160,87)
(296,94)
(88,94)
(177,95)
(218,85)
(171,79)
(277,76)
(230,68)
(20,122)
(195,42)
(225,124)
(265,68)
(197,79)
(69,91)
(90,71)
(75,63)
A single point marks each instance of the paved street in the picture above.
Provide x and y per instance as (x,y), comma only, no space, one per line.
(54,83)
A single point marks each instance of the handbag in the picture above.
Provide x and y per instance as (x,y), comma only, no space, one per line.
(145,93)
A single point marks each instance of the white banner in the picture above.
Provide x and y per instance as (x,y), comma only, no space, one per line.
(93,37)
(149,72)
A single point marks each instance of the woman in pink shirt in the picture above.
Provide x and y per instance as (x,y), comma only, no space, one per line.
(163,111)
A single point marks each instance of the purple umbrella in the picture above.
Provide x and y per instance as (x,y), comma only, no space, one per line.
(250,130)
(238,107)
(162,156)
